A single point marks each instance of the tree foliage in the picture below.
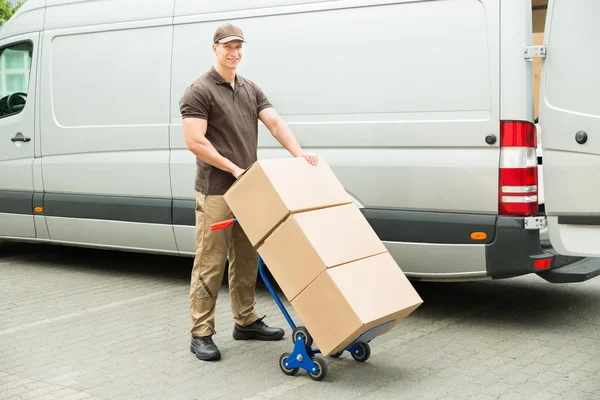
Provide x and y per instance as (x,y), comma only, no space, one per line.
(7,10)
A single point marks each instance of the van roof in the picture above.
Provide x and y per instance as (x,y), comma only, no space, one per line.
(28,18)
(37,15)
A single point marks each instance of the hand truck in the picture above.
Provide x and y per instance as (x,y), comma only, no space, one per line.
(303,355)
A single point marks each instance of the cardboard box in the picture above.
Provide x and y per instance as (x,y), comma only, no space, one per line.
(345,302)
(308,243)
(270,190)
(322,252)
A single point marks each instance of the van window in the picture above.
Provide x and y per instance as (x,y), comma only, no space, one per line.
(15,64)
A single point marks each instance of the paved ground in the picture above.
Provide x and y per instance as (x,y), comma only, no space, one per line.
(89,324)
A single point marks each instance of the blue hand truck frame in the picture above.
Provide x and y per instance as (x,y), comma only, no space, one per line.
(303,355)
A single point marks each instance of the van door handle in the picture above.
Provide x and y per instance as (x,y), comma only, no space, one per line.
(20,139)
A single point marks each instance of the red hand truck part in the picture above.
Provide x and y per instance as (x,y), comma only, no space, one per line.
(222,224)
(304,356)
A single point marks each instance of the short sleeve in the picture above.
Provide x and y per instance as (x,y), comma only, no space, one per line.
(262,101)
(195,103)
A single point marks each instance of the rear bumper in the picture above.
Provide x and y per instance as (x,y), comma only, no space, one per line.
(509,249)
(514,250)
(579,271)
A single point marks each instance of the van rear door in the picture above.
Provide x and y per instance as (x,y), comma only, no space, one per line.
(570,124)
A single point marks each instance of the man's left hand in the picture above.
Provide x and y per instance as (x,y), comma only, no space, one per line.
(311,158)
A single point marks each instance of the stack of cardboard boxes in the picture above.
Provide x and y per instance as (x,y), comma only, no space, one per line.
(322,252)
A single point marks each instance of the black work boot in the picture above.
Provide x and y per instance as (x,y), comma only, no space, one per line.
(257,330)
(204,348)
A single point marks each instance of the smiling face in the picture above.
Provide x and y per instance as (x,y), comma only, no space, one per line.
(228,54)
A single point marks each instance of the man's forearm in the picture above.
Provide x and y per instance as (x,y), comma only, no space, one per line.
(286,138)
(206,152)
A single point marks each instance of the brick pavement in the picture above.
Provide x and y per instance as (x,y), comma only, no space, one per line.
(89,324)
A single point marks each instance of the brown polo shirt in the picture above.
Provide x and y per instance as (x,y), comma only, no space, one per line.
(232,116)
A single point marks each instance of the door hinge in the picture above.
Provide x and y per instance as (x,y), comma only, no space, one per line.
(535,52)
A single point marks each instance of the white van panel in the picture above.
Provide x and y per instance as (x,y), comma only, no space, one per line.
(16,175)
(580,240)
(127,173)
(183,172)
(186,239)
(41,228)
(68,13)
(17,225)
(123,86)
(572,180)
(122,235)
(116,125)
(569,103)
(300,35)
(381,123)
(379,176)
(191,7)
(517,75)
(38,180)
(436,261)
(104,118)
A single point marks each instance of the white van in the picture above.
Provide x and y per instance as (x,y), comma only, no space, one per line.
(424,109)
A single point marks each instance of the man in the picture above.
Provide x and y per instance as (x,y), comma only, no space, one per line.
(220,112)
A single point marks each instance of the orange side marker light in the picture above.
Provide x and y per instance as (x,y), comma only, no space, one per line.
(478,235)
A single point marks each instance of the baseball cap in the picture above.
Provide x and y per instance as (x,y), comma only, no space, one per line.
(227,33)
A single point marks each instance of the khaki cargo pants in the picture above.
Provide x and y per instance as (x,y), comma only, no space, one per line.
(212,250)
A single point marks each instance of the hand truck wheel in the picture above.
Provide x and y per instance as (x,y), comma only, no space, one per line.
(321,369)
(302,332)
(337,355)
(282,361)
(361,352)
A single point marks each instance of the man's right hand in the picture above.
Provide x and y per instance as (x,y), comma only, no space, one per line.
(194,130)
(237,172)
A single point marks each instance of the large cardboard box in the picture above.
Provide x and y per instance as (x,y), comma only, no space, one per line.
(345,302)
(270,190)
(308,243)
(322,252)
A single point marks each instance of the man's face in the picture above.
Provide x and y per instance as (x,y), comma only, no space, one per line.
(229,54)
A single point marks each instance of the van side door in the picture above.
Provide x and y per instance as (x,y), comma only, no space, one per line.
(104,116)
(17,137)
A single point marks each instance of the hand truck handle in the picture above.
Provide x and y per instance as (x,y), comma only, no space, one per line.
(223,224)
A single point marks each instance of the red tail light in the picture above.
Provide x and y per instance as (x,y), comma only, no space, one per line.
(543,263)
(518,184)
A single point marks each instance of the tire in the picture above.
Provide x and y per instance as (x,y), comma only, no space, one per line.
(337,355)
(287,371)
(362,352)
(306,338)
(321,372)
